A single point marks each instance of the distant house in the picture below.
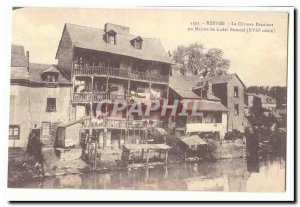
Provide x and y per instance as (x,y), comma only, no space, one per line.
(39,99)
(225,92)
(265,101)
(19,126)
(213,113)
(280,115)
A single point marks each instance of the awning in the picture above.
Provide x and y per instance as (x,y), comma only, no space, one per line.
(140,147)
(193,140)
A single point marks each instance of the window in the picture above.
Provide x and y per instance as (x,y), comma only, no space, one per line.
(236,91)
(112,39)
(236,109)
(138,45)
(51,104)
(50,77)
(14,132)
(218,117)
(195,119)
(45,128)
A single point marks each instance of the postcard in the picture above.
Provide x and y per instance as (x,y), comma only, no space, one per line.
(160,99)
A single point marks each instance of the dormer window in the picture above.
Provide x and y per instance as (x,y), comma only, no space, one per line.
(50,75)
(137,43)
(111,37)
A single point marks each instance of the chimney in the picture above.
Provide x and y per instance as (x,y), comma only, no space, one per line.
(27,59)
(209,87)
(119,29)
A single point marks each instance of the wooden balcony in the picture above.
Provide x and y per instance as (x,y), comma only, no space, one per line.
(121,123)
(87,97)
(119,73)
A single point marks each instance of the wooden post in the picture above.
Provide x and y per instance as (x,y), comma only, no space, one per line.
(124,136)
(91,110)
(142,153)
(104,139)
(166,172)
(134,135)
(147,159)
(95,164)
(168,92)
(166,156)
(159,153)
(146,136)
(106,92)
(121,136)
(140,133)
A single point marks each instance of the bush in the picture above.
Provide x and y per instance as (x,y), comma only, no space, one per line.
(23,167)
(211,152)
(233,135)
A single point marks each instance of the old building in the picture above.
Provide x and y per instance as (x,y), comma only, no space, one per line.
(19,115)
(39,100)
(227,91)
(112,64)
(264,101)
(213,116)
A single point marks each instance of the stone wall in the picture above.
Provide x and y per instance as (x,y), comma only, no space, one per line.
(230,149)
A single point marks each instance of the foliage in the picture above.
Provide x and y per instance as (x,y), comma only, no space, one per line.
(22,167)
(211,152)
(201,61)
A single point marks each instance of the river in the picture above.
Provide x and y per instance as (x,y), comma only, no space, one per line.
(234,175)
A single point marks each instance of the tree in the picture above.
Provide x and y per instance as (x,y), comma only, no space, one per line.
(201,61)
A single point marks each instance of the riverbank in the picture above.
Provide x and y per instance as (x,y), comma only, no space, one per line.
(59,162)
(233,175)
(23,167)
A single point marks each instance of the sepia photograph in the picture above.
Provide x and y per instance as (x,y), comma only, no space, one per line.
(148,99)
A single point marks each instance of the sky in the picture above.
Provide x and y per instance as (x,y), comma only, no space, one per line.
(259,58)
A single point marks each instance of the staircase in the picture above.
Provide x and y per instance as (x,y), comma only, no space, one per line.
(48,141)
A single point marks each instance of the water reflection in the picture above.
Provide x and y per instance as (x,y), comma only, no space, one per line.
(237,175)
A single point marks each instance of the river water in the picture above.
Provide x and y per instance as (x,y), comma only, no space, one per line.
(235,175)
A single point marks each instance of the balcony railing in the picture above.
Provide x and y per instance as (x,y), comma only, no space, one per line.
(85,97)
(121,123)
(120,73)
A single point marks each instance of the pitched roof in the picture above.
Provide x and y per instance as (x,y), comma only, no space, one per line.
(207,105)
(186,94)
(52,69)
(183,85)
(93,39)
(139,147)
(221,79)
(18,69)
(36,70)
(211,96)
(188,82)
(193,140)
(19,73)
(18,56)
(70,123)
